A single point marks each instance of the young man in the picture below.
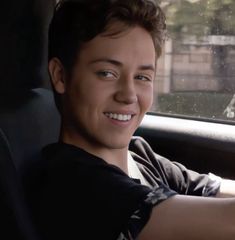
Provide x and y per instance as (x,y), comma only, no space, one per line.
(99,182)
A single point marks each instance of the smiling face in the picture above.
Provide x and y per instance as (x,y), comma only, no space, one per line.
(109,91)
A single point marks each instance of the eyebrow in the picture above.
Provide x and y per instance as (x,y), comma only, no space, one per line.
(107,60)
(119,64)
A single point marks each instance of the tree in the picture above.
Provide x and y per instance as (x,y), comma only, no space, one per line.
(205,17)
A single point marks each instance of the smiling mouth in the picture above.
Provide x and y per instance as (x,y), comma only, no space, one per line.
(119,117)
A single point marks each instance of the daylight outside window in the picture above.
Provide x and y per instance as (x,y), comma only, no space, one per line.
(196,73)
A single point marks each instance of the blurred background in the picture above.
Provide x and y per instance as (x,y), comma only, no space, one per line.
(196,73)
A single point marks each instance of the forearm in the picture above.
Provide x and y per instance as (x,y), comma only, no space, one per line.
(194,218)
(227,189)
(227,186)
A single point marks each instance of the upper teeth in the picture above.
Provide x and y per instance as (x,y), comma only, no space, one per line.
(120,117)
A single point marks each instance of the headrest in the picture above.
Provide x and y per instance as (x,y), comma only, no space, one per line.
(23,43)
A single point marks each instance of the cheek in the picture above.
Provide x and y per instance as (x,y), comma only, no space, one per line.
(87,101)
(148,102)
(146,99)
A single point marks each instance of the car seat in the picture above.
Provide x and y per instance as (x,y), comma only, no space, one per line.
(29,122)
(28,115)
(15,220)
(26,126)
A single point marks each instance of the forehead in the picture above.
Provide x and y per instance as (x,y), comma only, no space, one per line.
(132,44)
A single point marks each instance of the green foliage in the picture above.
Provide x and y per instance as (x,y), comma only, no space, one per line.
(209,105)
(200,17)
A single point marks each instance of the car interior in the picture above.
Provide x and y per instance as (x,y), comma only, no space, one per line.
(28,116)
(29,119)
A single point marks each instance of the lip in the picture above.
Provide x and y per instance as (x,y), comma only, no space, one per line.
(132,113)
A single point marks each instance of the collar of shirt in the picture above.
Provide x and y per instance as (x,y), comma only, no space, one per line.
(134,172)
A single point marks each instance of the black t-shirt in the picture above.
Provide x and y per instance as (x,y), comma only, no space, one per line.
(80,196)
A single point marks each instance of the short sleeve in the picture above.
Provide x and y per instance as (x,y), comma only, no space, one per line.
(211,189)
(141,216)
(194,183)
(84,192)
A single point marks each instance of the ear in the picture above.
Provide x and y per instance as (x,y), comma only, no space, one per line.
(58,76)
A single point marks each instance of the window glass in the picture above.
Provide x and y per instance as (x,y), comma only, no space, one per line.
(196,73)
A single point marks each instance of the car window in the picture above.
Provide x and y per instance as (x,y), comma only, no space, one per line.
(196,72)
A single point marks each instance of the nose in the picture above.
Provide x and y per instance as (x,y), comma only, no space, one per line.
(126,92)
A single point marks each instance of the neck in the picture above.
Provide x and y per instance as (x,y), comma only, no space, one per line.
(117,157)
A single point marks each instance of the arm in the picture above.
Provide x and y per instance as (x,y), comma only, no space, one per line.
(195,218)
(173,174)
(227,189)
(226,186)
